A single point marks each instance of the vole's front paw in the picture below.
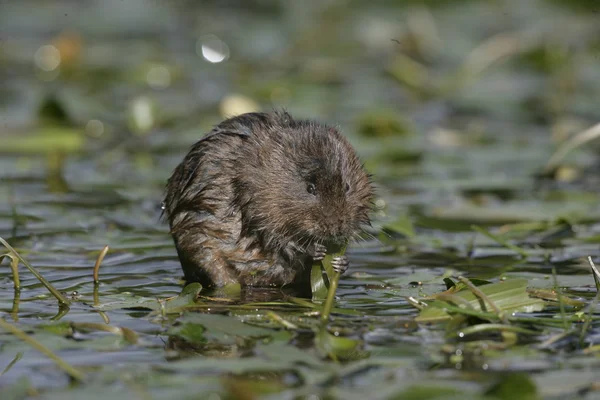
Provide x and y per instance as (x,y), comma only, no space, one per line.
(318,252)
(340,264)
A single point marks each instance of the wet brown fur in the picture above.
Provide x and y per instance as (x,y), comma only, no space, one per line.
(238,204)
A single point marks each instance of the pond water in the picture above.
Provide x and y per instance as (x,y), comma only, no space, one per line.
(456,107)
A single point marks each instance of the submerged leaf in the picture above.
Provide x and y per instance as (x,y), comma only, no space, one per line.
(339,348)
(514,386)
(223,326)
(192,332)
(175,304)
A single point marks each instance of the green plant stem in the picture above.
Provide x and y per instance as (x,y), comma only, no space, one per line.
(334,278)
(454,299)
(496,327)
(98,262)
(561,304)
(13,362)
(75,374)
(500,240)
(595,273)
(588,318)
(333,284)
(15,305)
(14,266)
(61,299)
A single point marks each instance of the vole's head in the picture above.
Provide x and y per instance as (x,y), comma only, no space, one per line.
(305,184)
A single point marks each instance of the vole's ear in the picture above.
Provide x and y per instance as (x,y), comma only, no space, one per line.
(237,129)
(283,116)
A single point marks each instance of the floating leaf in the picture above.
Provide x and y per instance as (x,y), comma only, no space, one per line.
(127,301)
(508,296)
(186,299)
(223,327)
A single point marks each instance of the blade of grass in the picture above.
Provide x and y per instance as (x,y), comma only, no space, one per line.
(555,338)
(450,298)
(75,374)
(14,312)
(588,318)
(561,304)
(330,297)
(14,266)
(495,327)
(13,362)
(576,141)
(61,299)
(595,274)
(278,319)
(499,240)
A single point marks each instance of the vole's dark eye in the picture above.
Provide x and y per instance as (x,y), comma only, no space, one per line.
(347,187)
(312,189)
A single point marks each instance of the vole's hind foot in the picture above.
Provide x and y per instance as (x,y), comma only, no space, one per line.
(318,252)
(340,264)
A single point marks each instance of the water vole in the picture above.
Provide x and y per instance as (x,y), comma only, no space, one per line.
(258,198)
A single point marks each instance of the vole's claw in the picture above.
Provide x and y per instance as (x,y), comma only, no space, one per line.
(318,252)
(340,264)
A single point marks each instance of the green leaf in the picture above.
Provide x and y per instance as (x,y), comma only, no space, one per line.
(508,296)
(223,327)
(127,300)
(186,298)
(172,305)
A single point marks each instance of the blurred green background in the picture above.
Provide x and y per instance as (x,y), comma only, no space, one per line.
(455,106)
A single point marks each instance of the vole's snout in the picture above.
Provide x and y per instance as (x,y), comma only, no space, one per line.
(336,226)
